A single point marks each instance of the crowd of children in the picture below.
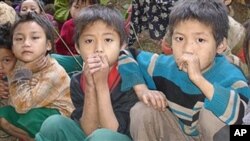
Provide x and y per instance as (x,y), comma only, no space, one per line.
(73,77)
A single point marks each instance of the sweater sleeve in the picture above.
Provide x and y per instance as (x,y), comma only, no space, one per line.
(76,96)
(136,67)
(229,104)
(129,70)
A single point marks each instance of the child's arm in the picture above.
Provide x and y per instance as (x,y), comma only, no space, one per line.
(4,89)
(190,63)
(228,101)
(132,77)
(153,98)
(106,113)
(90,117)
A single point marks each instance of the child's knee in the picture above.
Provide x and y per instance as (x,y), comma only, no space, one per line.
(141,110)
(102,132)
(223,134)
(57,127)
(52,124)
(106,135)
(3,123)
(209,130)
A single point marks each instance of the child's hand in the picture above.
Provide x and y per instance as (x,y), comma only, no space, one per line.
(190,64)
(4,89)
(153,98)
(93,62)
(33,82)
(38,64)
(98,67)
(101,76)
(88,75)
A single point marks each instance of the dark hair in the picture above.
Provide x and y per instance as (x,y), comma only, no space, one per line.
(5,38)
(40,4)
(108,14)
(90,1)
(40,20)
(212,13)
(246,43)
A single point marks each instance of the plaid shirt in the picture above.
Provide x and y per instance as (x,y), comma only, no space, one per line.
(50,91)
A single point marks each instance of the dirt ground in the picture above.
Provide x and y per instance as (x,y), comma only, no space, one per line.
(241,12)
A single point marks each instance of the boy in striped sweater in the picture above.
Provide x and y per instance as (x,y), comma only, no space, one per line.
(199,90)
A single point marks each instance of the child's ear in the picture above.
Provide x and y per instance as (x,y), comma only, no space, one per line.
(49,46)
(77,49)
(222,46)
(227,2)
(124,46)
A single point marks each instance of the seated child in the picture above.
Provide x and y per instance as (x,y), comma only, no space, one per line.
(204,92)
(7,61)
(101,109)
(38,85)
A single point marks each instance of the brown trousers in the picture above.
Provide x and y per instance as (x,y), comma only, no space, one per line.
(148,124)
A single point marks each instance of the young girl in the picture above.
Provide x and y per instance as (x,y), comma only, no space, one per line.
(38,85)
(101,109)
(37,7)
(67,30)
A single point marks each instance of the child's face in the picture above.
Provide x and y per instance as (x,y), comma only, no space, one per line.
(77,7)
(29,42)
(193,37)
(29,6)
(7,61)
(99,37)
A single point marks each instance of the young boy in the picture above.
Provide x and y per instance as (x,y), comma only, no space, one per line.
(101,109)
(204,92)
(38,85)
(7,63)
(7,60)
